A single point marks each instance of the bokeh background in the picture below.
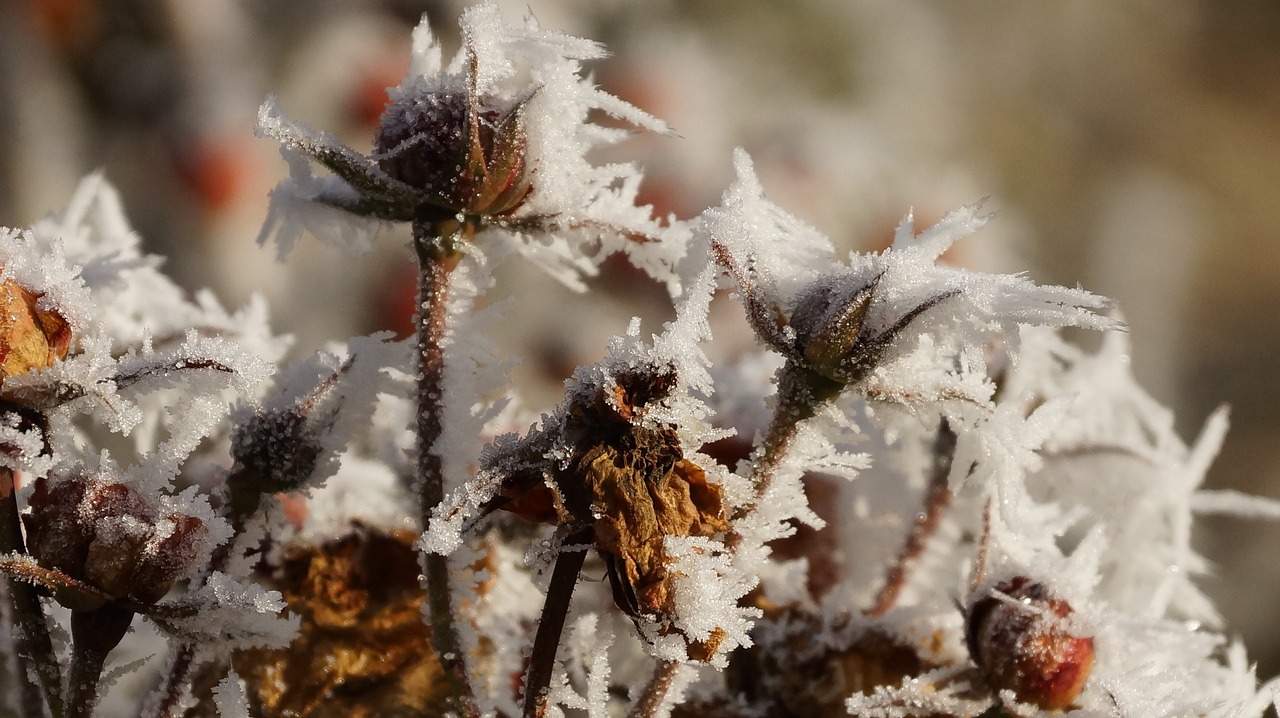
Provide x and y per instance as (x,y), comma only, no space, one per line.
(1132,148)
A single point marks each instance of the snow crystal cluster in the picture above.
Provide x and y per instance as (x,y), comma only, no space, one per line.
(916,498)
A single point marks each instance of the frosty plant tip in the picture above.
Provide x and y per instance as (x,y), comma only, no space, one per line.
(916,498)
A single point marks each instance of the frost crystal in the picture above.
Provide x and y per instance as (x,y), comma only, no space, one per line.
(917,498)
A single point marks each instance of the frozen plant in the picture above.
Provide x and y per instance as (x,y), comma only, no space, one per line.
(917,499)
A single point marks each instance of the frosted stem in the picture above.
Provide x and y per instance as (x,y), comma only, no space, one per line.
(654,696)
(801,393)
(438,256)
(555,609)
(95,634)
(32,641)
(936,501)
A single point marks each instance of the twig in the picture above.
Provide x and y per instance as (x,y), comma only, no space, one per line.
(937,499)
(655,692)
(33,644)
(438,256)
(555,609)
(797,401)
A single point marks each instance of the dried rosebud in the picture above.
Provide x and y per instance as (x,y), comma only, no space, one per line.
(111,537)
(30,337)
(466,156)
(1021,642)
(275,450)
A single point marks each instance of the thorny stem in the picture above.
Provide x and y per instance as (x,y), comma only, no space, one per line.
(936,501)
(555,609)
(655,692)
(33,644)
(95,634)
(438,255)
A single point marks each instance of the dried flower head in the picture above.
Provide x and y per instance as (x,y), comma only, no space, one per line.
(628,481)
(111,537)
(805,665)
(1019,636)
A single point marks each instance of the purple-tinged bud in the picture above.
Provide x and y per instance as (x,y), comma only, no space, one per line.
(465,154)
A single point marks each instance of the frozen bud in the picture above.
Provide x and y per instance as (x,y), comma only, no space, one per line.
(832,334)
(1022,642)
(275,450)
(30,337)
(464,154)
(111,537)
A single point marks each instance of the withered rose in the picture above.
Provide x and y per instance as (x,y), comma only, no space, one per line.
(628,481)
(111,537)
(362,647)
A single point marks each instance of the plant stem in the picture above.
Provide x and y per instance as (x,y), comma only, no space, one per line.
(33,644)
(801,393)
(555,609)
(170,695)
(438,255)
(654,695)
(95,634)
(937,499)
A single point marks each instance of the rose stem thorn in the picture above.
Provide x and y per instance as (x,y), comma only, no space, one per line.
(555,609)
(34,644)
(937,499)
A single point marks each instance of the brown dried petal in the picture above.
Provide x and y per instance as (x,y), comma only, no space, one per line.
(638,512)
(362,648)
(30,337)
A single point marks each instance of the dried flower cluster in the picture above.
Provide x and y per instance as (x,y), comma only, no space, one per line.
(916,500)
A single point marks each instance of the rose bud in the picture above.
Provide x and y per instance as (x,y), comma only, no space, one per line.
(1023,643)
(275,450)
(467,156)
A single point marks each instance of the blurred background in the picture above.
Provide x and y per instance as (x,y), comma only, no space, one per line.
(1131,148)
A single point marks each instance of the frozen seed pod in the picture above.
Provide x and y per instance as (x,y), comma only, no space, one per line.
(1019,636)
